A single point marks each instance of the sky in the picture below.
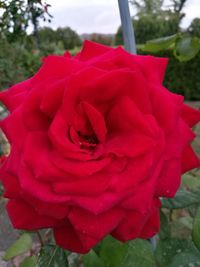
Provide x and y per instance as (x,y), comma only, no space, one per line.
(102,16)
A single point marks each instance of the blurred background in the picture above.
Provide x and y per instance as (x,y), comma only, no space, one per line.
(31,29)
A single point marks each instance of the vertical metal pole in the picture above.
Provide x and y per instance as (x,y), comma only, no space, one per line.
(130,46)
(127,26)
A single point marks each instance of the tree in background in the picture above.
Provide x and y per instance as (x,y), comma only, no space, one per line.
(177,8)
(62,37)
(194,28)
(105,39)
(68,37)
(150,27)
(153,19)
(46,35)
(147,6)
(17,16)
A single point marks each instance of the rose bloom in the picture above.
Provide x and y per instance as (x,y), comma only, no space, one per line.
(96,140)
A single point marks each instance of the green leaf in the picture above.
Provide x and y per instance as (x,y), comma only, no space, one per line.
(196,229)
(187,222)
(29,262)
(160,44)
(167,251)
(186,260)
(92,260)
(53,256)
(112,251)
(190,181)
(165,226)
(182,199)
(23,244)
(186,48)
(139,254)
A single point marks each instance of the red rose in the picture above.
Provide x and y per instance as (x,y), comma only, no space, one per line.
(96,140)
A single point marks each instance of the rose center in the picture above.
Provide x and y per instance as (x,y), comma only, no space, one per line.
(88,142)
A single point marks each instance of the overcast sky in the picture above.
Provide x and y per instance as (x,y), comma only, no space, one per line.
(88,16)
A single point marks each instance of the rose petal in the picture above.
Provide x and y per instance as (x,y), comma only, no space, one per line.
(169,178)
(190,115)
(87,187)
(56,67)
(169,106)
(68,238)
(131,226)
(14,96)
(91,50)
(52,98)
(34,119)
(153,68)
(189,160)
(152,225)
(38,189)
(96,226)
(97,121)
(23,216)
(14,128)
(11,186)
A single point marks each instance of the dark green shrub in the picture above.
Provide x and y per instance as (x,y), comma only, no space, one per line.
(149,27)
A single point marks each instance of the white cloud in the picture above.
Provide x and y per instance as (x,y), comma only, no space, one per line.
(87,16)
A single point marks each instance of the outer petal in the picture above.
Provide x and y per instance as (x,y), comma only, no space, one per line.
(169,178)
(23,216)
(190,115)
(131,226)
(14,96)
(153,68)
(152,226)
(14,128)
(189,160)
(169,106)
(68,238)
(56,67)
(91,50)
(96,226)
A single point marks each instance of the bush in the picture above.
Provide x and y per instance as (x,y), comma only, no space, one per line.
(150,27)
(16,63)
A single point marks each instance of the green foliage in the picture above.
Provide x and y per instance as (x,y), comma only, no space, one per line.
(147,6)
(139,254)
(194,28)
(176,252)
(196,229)
(52,256)
(182,77)
(184,46)
(149,27)
(187,48)
(112,253)
(29,262)
(49,39)
(16,63)
(184,63)
(16,15)
(105,39)
(182,199)
(23,244)
(68,37)
(92,259)
(160,44)
(46,35)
